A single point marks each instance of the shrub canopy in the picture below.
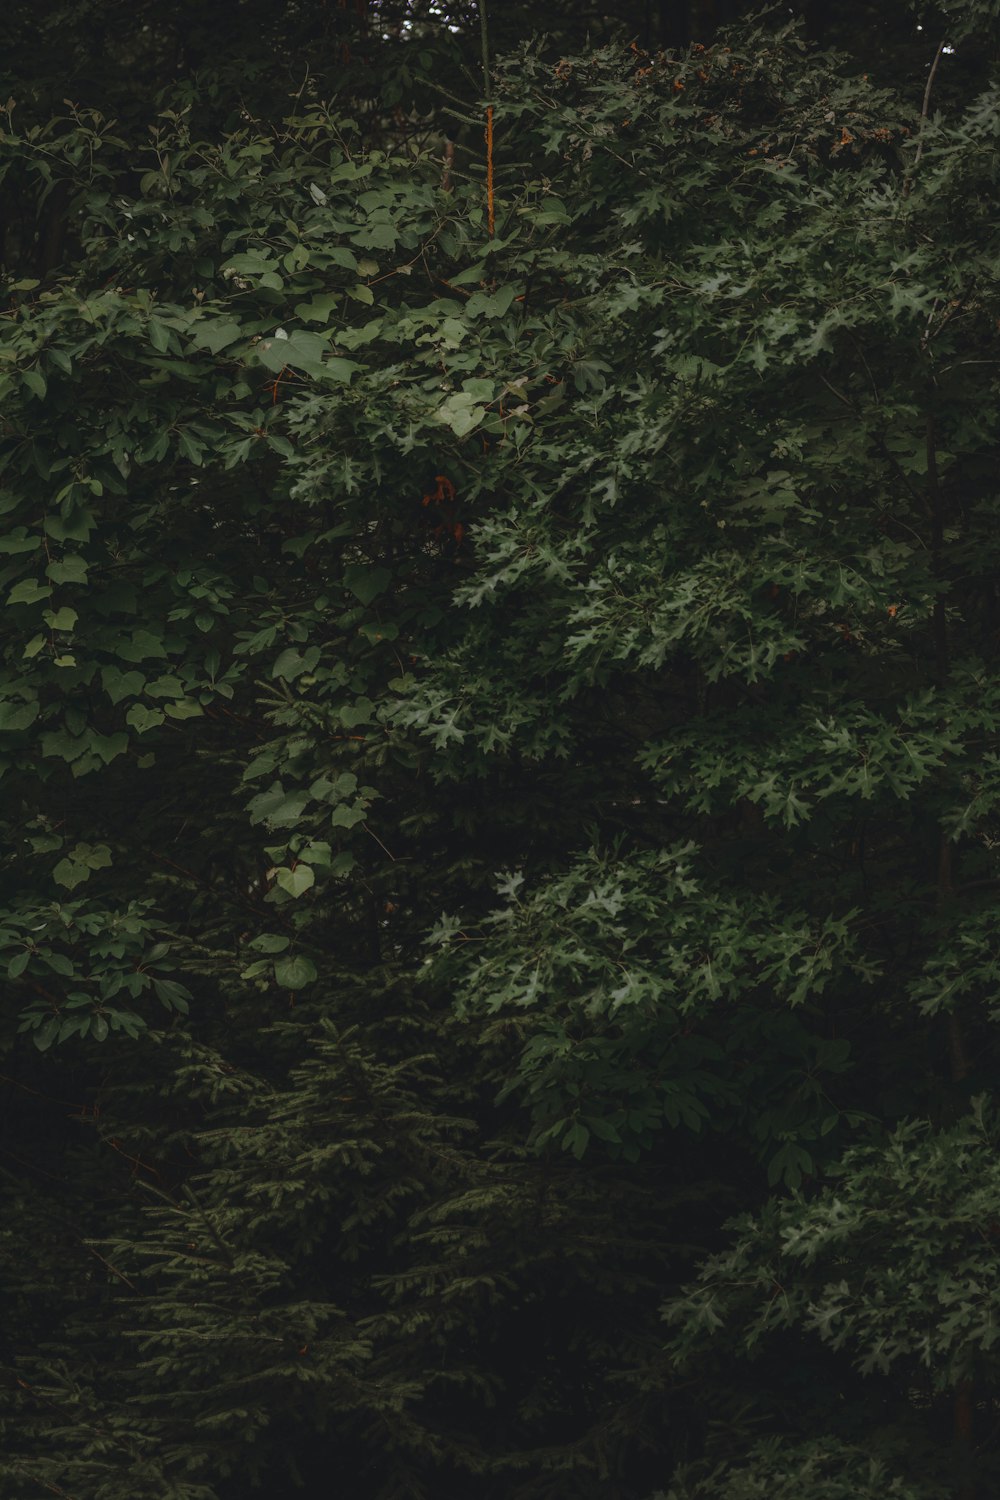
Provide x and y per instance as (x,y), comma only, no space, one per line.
(499,739)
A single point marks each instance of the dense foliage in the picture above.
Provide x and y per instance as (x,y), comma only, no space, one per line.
(499,742)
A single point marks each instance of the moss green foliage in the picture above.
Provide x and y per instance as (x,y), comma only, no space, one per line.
(500,763)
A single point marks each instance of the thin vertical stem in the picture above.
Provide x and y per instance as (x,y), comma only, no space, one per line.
(490,205)
(924,110)
(927,95)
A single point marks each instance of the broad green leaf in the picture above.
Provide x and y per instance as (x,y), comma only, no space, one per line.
(28,591)
(61,619)
(366,583)
(216,334)
(15,716)
(140,718)
(461,413)
(70,874)
(172,995)
(18,964)
(297,880)
(119,685)
(269,942)
(67,569)
(294,972)
(159,335)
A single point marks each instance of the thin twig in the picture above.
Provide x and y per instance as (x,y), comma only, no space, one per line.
(113,1269)
(379,842)
(927,91)
(923,116)
(845,400)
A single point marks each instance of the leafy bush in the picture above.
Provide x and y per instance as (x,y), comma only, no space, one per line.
(499,743)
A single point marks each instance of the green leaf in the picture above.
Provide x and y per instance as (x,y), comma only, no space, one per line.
(94,856)
(294,973)
(251,262)
(256,970)
(304,351)
(19,542)
(159,335)
(339,370)
(318,309)
(216,334)
(191,448)
(16,716)
(47,1033)
(167,686)
(317,852)
(70,874)
(491,304)
(58,963)
(460,413)
(72,525)
(63,618)
(140,718)
(172,995)
(366,583)
(346,817)
(360,712)
(119,685)
(289,665)
(28,591)
(297,880)
(141,645)
(269,942)
(278,808)
(68,569)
